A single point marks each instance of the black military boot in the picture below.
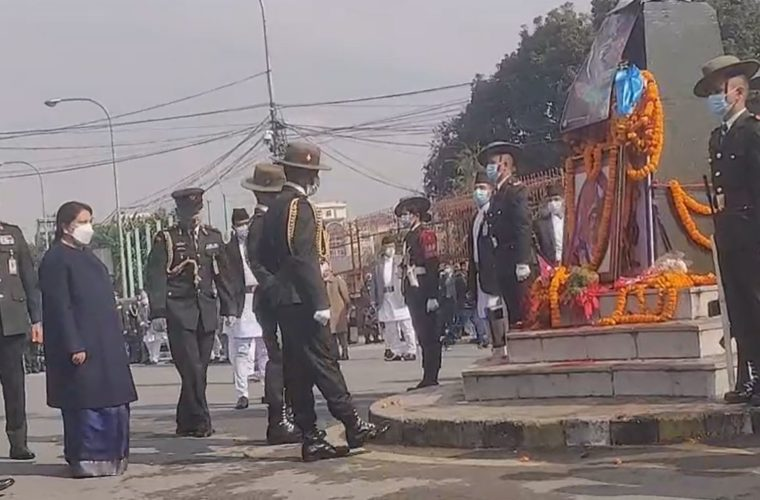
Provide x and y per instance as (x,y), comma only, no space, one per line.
(281,429)
(315,447)
(19,449)
(6,483)
(359,432)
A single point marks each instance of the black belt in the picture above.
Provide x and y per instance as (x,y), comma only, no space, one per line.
(389,289)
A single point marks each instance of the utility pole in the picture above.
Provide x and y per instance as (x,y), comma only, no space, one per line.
(130,291)
(226,218)
(139,258)
(208,210)
(276,143)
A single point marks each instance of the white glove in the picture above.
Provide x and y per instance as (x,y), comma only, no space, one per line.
(522,271)
(492,301)
(158,325)
(322,317)
(432,305)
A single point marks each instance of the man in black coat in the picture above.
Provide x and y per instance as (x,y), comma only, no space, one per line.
(509,224)
(266,183)
(20,311)
(734,152)
(550,227)
(482,278)
(420,285)
(188,290)
(291,251)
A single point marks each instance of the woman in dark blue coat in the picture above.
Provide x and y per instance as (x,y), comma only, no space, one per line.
(88,375)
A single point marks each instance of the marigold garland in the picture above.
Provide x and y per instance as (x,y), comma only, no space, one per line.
(643,132)
(668,286)
(560,277)
(682,203)
(602,239)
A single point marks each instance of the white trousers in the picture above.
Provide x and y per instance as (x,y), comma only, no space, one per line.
(248,356)
(153,342)
(400,337)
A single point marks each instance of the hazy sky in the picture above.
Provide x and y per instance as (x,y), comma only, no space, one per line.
(131,54)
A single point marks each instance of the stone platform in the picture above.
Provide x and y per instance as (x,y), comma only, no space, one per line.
(440,417)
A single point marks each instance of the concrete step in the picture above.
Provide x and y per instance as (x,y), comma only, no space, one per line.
(671,340)
(692,303)
(703,378)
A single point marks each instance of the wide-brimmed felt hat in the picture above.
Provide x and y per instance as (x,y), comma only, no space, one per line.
(240,216)
(265,178)
(416,204)
(189,199)
(721,67)
(302,155)
(754,83)
(499,148)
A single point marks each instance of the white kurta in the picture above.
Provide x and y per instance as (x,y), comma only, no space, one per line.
(247,326)
(393,306)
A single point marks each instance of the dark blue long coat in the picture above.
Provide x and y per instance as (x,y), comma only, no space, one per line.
(79,314)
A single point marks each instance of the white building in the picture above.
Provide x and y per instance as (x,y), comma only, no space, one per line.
(332,211)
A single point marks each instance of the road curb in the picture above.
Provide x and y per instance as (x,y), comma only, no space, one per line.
(418,427)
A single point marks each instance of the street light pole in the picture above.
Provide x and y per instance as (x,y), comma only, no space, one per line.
(42,195)
(122,264)
(270,88)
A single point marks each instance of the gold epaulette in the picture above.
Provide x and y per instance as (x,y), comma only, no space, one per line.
(321,236)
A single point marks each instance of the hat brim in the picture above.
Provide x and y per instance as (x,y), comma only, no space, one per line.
(706,85)
(302,165)
(248,184)
(499,149)
(419,203)
(754,84)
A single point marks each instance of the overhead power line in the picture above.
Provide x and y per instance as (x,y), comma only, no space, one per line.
(377,97)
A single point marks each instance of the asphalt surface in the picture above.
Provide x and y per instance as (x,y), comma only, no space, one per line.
(235,463)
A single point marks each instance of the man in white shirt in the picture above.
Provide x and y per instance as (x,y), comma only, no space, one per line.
(392,311)
(246,345)
(550,228)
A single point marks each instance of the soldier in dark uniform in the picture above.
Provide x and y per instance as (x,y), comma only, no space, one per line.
(188,290)
(294,243)
(734,149)
(266,183)
(509,225)
(420,286)
(20,311)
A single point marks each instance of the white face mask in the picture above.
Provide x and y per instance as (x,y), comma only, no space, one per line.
(555,207)
(312,188)
(83,233)
(241,232)
(389,252)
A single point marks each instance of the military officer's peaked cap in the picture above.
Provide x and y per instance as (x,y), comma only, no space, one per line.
(416,204)
(721,67)
(302,155)
(499,148)
(265,178)
(189,198)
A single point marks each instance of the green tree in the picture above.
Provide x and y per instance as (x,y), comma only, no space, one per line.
(522,102)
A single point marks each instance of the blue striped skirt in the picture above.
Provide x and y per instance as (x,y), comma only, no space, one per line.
(96,442)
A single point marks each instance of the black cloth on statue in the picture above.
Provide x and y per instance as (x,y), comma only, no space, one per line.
(309,361)
(191,352)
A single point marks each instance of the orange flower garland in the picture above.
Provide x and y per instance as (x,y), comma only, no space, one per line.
(682,204)
(668,285)
(644,131)
(560,277)
(603,230)
(691,203)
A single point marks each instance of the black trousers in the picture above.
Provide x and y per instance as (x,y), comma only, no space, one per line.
(340,344)
(274,382)
(191,353)
(426,326)
(308,361)
(740,273)
(12,379)
(514,293)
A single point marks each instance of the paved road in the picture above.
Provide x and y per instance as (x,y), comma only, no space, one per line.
(236,464)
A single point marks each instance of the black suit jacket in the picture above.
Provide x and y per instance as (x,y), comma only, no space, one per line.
(259,270)
(236,276)
(485,269)
(735,169)
(547,247)
(20,299)
(292,257)
(509,224)
(418,256)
